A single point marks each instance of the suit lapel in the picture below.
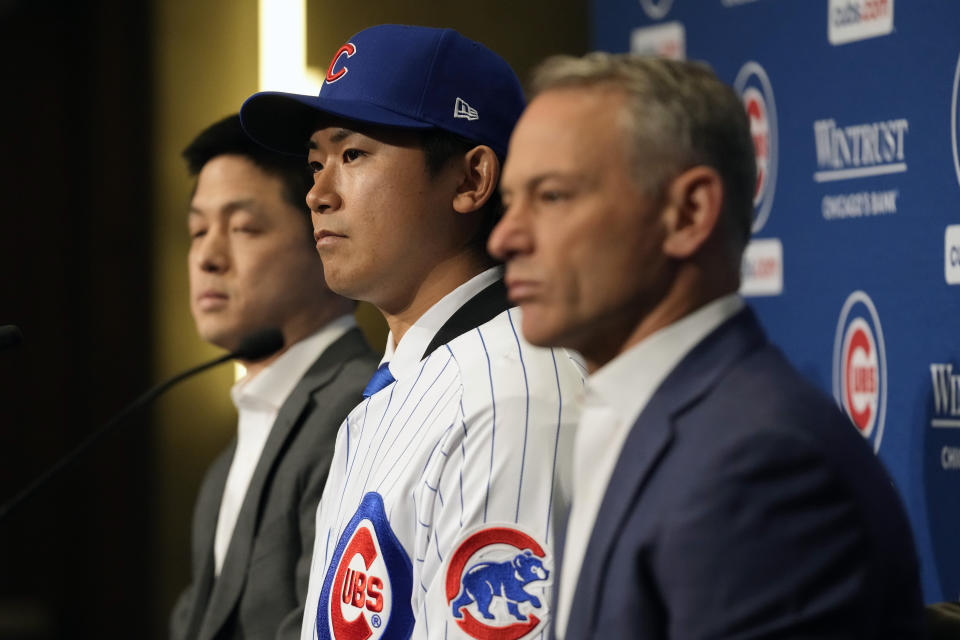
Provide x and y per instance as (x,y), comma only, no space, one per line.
(481,308)
(228,587)
(648,440)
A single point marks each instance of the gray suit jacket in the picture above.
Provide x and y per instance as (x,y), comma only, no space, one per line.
(263,581)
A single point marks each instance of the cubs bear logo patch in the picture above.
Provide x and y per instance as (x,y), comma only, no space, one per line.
(496,584)
(366,592)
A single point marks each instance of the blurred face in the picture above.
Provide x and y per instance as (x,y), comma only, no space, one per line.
(252,264)
(582,241)
(381,222)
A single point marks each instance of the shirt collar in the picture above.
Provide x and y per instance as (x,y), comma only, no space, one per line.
(628,381)
(269,389)
(404,357)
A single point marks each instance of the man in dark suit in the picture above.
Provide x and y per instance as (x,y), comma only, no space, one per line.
(716,494)
(253,265)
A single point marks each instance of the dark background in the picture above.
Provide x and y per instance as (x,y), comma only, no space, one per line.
(75,252)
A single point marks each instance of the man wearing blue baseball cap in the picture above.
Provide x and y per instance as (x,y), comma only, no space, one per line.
(440,511)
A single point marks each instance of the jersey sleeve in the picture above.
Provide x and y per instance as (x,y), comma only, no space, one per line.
(489,503)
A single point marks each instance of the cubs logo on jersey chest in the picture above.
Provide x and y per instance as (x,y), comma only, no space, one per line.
(366,592)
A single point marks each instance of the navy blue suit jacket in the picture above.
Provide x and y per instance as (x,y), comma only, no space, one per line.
(745,505)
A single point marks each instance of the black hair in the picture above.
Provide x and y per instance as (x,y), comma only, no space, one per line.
(439,148)
(227,137)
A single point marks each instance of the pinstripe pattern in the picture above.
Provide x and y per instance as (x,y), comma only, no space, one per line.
(472,436)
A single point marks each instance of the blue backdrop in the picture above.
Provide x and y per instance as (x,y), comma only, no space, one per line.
(855,260)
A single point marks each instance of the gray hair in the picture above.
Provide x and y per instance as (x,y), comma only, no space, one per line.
(680,115)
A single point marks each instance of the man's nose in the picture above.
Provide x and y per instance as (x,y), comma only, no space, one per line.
(212,252)
(512,235)
(323,197)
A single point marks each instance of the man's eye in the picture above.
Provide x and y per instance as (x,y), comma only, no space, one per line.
(315,166)
(198,233)
(553,196)
(352,154)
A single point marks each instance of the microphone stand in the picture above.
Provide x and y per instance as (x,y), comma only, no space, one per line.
(255,347)
(96,436)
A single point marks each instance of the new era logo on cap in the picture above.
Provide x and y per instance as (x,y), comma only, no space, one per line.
(462,110)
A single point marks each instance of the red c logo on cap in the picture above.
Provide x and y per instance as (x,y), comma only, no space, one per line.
(349,50)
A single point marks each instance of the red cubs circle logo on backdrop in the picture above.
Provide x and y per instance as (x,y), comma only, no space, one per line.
(859,366)
(760,132)
(346,50)
(495,584)
(753,86)
(859,376)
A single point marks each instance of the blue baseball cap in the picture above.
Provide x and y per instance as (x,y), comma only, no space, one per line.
(398,76)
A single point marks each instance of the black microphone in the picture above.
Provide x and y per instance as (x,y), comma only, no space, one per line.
(259,345)
(256,346)
(10,336)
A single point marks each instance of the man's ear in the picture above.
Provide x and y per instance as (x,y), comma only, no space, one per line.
(481,172)
(692,214)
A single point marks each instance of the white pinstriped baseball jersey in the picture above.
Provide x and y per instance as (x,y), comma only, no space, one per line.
(439,514)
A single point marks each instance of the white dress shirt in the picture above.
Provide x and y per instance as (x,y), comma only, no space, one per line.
(462,447)
(258,400)
(615,395)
